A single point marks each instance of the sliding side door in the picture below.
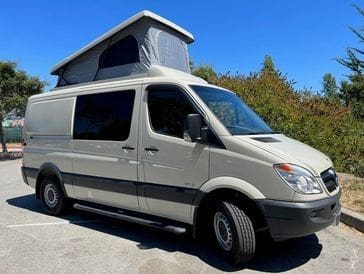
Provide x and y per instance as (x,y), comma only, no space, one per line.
(105,163)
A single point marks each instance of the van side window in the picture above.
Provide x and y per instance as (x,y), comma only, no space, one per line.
(104,116)
(168,107)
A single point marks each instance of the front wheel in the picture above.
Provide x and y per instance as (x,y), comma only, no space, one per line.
(233,232)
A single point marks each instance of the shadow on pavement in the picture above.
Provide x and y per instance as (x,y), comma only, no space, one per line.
(271,257)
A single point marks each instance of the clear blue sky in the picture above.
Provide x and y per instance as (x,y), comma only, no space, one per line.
(303,37)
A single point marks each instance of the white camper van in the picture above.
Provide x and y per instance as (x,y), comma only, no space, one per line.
(129,133)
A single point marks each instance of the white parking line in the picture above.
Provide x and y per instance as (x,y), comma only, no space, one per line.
(22,232)
(54,223)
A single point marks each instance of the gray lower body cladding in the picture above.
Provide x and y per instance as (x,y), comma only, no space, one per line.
(284,219)
(295,219)
(150,190)
(25,173)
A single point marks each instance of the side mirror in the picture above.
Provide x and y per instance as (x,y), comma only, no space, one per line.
(193,125)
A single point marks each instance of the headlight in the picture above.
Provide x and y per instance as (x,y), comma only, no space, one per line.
(298,178)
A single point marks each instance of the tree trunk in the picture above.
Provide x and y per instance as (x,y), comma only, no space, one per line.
(2,137)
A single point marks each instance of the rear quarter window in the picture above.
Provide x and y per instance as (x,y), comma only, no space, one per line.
(51,117)
(104,116)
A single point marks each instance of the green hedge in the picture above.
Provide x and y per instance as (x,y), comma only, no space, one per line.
(326,126)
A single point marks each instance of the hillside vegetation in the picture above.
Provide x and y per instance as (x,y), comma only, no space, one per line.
(325,124)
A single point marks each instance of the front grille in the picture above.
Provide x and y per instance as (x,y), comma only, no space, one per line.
(330,180)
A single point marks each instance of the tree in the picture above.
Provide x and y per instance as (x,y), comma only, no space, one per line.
(205,72)
(329,88)
(268,65)
(15,88)
(354,61)
(352,91)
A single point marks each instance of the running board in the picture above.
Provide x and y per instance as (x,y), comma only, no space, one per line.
(128,218)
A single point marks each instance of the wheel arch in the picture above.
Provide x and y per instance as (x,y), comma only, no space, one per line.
(231,189)
(233,183)
(47,170)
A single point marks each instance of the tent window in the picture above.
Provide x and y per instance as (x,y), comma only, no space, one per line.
(124,51)
(172,52)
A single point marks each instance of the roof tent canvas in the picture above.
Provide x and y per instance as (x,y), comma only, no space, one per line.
(130,48)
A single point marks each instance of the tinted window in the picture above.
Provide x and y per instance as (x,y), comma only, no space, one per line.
(168,107)
(104,116)
(122,52)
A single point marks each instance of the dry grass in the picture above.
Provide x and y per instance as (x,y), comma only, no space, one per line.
(353,192)
(12,147)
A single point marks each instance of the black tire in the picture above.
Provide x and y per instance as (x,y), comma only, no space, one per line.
(241,246)
(60,205)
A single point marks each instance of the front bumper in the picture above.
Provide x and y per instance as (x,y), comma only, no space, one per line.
(295,219)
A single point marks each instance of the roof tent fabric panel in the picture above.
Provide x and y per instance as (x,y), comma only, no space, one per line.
(168,47)
(157,45)
(172,52)
(140,31)
(84,68)
(121,71)
(186,36)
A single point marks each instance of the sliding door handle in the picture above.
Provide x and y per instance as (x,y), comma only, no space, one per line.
(154,149)
(127,147)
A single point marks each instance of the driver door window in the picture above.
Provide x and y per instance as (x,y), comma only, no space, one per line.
(168,108)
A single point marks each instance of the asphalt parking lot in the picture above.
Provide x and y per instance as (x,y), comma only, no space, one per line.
(32,242)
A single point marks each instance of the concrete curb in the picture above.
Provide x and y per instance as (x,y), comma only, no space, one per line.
(353,219)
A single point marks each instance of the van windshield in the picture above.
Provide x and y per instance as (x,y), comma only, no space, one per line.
(236,116)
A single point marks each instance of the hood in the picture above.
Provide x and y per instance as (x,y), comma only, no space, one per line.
(290,151)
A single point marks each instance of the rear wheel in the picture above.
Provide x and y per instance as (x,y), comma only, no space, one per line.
(52,197)
(233,232)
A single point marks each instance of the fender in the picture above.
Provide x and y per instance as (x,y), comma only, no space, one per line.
(52,169)
(224,182)
(228,183)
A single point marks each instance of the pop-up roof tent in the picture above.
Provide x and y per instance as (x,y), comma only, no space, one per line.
(130,48)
